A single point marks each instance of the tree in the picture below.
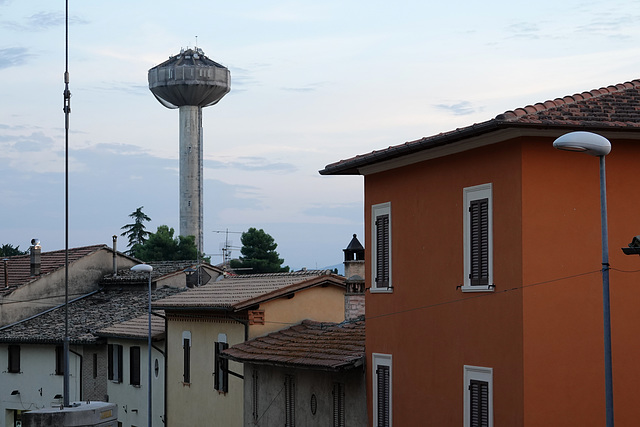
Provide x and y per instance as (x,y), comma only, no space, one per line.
(162,246)
(258,254)
(8,250)
(136,232)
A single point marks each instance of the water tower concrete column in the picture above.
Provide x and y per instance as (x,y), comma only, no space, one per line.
(191,206)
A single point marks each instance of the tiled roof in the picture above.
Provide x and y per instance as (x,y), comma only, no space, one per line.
(611,108)
(160,269)
(310,344)
(87,315)
(19,266)
(234,292)
(137,328)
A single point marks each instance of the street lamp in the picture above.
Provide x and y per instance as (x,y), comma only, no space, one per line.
(149,269)
(597,145)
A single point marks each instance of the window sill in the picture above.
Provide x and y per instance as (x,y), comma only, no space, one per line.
(477,288)
(388,290)
(186,384)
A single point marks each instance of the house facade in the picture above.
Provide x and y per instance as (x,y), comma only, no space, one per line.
(202,388)
(484,289)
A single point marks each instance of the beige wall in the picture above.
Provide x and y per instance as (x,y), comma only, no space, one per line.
(197,403)
(318,303)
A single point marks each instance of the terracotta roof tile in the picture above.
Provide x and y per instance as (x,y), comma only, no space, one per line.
(615,107)
(87,315)
(310,344)
(136,328)
(235,291)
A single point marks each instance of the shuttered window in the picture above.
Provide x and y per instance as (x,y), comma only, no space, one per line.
(381,251)
(338,405)
(134,365)
(221,373)
(115,362)
(186,354)
(14,359)
(59,360)
(382,390)
(478,239)
(254,395)
(290,401)
(478,399)
(478,403)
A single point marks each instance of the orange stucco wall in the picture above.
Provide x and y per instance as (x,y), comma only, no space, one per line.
(431,328)
(563,326)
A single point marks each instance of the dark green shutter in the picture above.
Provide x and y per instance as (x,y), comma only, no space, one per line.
(479,242)
(186,350)
(134,365)
(479,403)
(382,251)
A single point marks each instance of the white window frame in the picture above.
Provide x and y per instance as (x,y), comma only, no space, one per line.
(379,359)
(470,194)
(478,373)
(377,210)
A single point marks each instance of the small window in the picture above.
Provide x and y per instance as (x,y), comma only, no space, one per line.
(14,359)
(115,363)
(478,239)
(338,405)
(381,251)
(59,360)
(478,396)
(134,365)
(221,372)
(382,388)
(95,365)
(186,357)
(289,401)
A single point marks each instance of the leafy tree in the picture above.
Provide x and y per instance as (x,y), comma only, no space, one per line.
(9,250)
(258,254)
(162,246)
(136,232)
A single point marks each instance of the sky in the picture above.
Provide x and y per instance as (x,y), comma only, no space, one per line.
(311,83)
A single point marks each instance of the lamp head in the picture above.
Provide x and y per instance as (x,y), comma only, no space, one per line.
(142,267)
(586,142)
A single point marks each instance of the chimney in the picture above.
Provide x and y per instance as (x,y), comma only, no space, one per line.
(354,272)
(115,258)
(35,250)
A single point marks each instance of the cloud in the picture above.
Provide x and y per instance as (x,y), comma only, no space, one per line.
(42,21)
(13,57)
(462,108)
(311,87)
(524,30)
(252,164)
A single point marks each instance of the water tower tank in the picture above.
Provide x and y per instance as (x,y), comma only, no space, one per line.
(190,81)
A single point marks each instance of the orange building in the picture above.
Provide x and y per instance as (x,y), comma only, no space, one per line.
(483,270)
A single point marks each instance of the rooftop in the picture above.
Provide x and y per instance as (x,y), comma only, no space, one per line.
(87,315)
(316,345)
(613,108)
(237,292)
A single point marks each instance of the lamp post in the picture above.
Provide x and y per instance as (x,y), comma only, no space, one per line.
(149,269)
(597,145)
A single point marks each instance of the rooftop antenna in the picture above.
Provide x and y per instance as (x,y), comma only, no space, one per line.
(227,246)
(67,110)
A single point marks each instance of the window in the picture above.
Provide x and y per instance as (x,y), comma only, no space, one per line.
(289,401)
(478,239)
(338,405)
(134,365)
(221,370)
(382,387)
(95,365)
(115,363)
(59,360)
(14,359)
(254,395)
(478,396)
(186,355)
(381,250)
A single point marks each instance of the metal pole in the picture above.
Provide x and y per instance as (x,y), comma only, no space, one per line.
(67,111)
(149,351)
(608,372)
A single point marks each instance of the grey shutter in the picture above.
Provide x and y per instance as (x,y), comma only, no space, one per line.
(119,347)
(290,401)
(479,403)
(110,358)
(254,395)
(383,386)
(479,244)
(338,405)
(382,251)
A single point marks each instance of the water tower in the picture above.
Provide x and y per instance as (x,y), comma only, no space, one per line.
(189,81)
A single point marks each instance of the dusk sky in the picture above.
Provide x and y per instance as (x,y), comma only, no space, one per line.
(311,83)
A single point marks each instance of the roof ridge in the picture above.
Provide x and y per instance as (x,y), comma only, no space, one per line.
(566,100)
